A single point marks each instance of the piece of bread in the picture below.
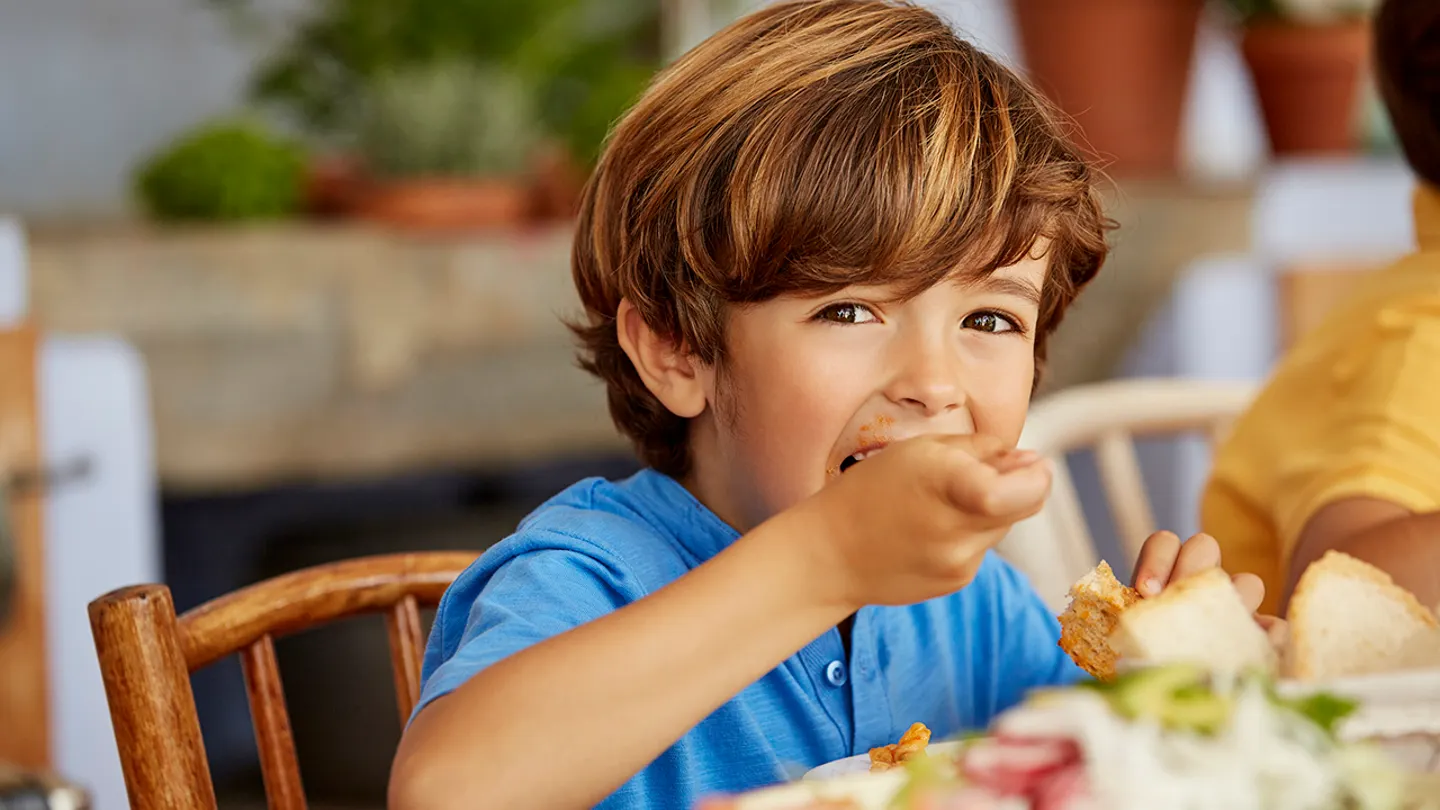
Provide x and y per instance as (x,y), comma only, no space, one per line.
(1197,620)
(1422,651)
(1350,618)
(1096,602)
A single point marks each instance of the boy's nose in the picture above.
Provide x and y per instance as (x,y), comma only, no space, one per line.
(929,382)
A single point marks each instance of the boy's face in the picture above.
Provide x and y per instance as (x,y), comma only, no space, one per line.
(812,382)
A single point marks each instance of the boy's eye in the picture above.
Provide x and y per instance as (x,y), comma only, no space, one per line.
(846,313)
(989,322)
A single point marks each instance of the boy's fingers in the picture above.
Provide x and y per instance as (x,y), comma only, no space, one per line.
(979,489)
(1012,460)
(1276,628)
(968,482)
(1157,560)
(1021,492)
(1198,554)
(1252,590)
(977,445)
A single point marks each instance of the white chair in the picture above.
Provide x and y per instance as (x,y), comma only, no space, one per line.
(1055,548)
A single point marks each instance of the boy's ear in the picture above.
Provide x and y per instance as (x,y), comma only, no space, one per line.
(670,372)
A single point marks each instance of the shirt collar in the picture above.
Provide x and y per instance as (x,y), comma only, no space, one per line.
(677,512)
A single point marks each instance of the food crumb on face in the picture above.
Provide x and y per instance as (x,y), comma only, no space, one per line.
(879,426)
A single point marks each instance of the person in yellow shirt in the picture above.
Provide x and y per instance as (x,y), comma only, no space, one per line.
(1341,450)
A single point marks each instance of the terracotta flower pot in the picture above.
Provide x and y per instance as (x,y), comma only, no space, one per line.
(332,185)
(1308,81)
(558,183)
(1120,68)
(449,204)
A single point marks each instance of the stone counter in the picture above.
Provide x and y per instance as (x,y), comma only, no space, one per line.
(300,352)
(294,353)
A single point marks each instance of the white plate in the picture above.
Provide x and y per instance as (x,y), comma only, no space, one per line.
(1399,711)
(867,791)
(860,763)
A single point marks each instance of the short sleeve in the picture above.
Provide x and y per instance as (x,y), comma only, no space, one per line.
(1381,436)
(1029,654)
(493,612)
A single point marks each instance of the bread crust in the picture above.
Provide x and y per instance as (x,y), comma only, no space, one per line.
(1090,618)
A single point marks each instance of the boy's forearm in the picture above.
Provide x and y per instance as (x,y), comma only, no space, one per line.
(1407,548)
(566,722)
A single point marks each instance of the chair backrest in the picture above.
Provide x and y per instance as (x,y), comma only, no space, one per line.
(1055,548)
(147,654)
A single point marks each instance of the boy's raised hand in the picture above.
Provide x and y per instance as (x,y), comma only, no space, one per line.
(915,521)
(1165,560)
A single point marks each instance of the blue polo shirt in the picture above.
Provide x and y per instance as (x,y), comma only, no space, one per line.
(952,663)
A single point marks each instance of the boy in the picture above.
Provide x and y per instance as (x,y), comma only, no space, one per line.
(831,230)
(1342,448)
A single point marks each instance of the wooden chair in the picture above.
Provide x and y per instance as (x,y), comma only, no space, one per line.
(1055,548)
(147,654)
(25,722)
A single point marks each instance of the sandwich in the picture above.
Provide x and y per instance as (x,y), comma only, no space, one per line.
(1199,620)
(1346,618)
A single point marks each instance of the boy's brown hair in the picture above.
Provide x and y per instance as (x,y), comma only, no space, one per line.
(1407,61)
(810,146)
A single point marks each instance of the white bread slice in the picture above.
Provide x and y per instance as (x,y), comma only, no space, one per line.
(1422,651)
(1350,618)
(1198,620)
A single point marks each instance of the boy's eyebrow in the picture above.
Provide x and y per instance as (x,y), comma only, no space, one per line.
(1004,285)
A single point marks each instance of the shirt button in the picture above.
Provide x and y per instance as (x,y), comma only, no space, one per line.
(835,673)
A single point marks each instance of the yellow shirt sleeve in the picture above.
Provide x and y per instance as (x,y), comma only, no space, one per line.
(1381,435)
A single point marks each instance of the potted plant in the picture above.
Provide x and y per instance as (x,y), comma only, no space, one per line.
(223,170)
(584,60)
(447,146)
(1120,68)
(1307,59)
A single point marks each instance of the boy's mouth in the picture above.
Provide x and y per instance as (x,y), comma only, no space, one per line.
(859,456)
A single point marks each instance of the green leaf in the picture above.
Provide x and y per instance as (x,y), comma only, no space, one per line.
(1323,709)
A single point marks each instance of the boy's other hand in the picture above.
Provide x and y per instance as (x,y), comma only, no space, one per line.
(1164,560)
(914,522)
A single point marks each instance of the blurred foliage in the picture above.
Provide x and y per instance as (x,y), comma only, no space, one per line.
(586,59)
(1247,10)
(1311,12)
(224,170)
(452,119)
